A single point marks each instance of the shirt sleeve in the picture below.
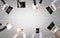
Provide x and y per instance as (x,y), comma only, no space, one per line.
(3,28)
(32,36)
(54,1)
(40,1)
(3,1)
(0,24)
(24,35)
(40,35)
(34,1)
(15,36)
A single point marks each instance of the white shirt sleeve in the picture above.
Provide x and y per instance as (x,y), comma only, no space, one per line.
(54,1)
(40,35)
(32,36)
(24,35)
(15,36)
(54,6)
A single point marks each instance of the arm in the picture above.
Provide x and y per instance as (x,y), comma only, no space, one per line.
(3,1)
(24,35)
(54,5)
(40,1)
(32,36)
(40,35)
(56,35)
(3,28)
(0,24)
(54,1)
(15,36)
(17,3)
(34,1)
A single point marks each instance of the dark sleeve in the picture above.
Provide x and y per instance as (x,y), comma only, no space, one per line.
(0,24)
(34,1)
(40,1)
(3,28)
(3,2)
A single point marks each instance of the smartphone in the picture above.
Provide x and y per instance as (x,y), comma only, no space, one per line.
(37,30)
(0,24)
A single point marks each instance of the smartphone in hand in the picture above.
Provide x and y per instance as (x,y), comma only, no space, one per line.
(37,30)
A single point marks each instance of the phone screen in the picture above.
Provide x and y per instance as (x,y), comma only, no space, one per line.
(37,30)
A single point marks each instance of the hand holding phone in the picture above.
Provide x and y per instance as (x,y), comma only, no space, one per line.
(37,30)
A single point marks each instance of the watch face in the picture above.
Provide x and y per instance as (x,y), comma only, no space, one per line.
(9,9)
(49,10)
(51,26)
(37,30)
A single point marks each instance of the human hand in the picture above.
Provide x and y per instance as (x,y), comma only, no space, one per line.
(5,24)
(58,28)
(38,6)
